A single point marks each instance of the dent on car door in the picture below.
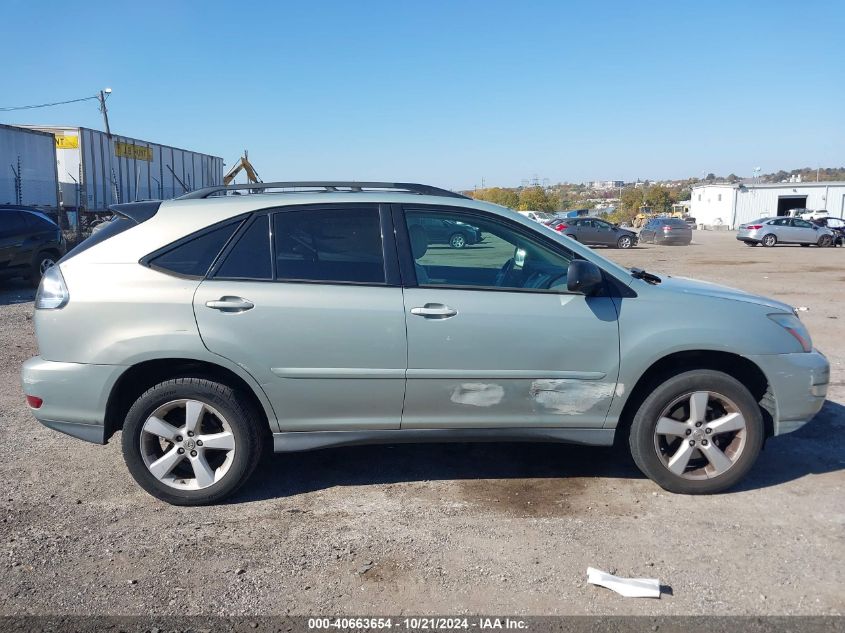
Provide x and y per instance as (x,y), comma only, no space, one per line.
(312,318)
(494,338)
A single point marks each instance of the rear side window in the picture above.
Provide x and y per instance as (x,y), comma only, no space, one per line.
(12,223)
(193,256)
(329,245)
(675,222)
(250,257)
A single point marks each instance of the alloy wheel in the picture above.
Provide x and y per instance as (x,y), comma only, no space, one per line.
(187,444)
(770,240)
(700,435)
(457,241)
(45,264)
(624,242)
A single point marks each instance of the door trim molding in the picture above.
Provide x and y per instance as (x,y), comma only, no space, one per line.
(503,374)
(337,372)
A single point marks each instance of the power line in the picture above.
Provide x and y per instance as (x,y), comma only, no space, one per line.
(47,105)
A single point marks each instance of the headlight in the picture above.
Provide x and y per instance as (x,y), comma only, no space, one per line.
(793,325)
(52,292)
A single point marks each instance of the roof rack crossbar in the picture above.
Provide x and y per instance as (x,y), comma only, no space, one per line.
(326,185)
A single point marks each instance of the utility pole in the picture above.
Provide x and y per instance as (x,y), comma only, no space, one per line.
(102,98)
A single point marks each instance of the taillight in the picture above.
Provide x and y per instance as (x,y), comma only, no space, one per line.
(754,227)
(561,227)
(52,293)
(34,401)
(667,228)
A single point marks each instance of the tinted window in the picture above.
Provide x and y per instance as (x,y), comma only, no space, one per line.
(250,258)
(39,222)
(342,245)
(802,224)
(675,222)
(12,223)
(195,256)
(505,258)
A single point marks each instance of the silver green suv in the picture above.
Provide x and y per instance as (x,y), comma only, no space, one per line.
(211,328)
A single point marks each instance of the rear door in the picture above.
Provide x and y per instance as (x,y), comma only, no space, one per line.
(494,338)
(308,300)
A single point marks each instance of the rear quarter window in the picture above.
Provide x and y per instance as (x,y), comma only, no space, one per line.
(192,256)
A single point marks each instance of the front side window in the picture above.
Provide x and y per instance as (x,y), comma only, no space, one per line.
(501,256)
(329,245)
(802,224)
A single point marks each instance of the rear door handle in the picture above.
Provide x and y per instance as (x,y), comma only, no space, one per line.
(230,304)
(434,311)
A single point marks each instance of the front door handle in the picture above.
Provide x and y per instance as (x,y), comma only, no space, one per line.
(434,311)
(230,304)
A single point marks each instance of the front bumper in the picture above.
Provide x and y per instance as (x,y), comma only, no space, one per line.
(74,395)
(797,385)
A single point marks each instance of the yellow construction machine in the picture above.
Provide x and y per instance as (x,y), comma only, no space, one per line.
(243,164)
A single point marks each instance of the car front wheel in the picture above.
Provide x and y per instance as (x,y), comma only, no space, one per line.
(624,242)
(824,241)
(189,441)
(697,433)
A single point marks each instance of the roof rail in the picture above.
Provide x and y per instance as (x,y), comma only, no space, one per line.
(325,185)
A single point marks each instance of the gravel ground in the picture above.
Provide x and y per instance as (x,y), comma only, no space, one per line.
(439,529)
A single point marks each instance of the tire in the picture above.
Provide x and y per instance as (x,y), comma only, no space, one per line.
(183,478)
(694,472)
(824,241)
(769,240)
(805,245)
(626,241)
(457,240)
(42,262)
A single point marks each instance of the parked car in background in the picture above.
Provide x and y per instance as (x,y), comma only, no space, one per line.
(837,225)
(666,231)
(214,328)
(691,221)
(595,232)
(455,234)
(783,230)
(532,215)
(30,243)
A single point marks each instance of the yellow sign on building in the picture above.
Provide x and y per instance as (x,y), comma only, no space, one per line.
(128,150)
(67,142)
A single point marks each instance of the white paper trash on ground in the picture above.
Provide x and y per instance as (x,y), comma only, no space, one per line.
(628,587)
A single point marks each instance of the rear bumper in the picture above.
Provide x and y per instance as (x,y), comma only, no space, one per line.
(798,385)
(672,239)
(74,395)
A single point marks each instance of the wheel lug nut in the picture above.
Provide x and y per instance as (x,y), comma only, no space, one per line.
(692,442)
(199,442)
(181,451)
(689,431)
(193,453)
(708,430)
(190,433)
(178,438)
(698,423)
(704,442)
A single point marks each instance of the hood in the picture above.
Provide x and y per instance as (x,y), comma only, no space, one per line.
(707,289)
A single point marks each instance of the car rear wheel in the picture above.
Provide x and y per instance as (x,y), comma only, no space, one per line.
(189,441)
(624,242)
(457,241)
(769,240)
(699,432)
(824,241)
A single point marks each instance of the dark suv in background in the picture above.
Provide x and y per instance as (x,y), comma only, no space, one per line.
(666,231)
(30,243)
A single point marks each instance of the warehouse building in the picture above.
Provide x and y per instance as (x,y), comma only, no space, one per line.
(729,205)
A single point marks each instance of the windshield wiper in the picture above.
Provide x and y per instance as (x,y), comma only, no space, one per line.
(639,273)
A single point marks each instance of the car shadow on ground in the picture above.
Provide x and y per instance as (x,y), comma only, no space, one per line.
(815,449)
(15,291)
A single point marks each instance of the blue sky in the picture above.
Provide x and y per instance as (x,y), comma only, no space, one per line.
(447,92)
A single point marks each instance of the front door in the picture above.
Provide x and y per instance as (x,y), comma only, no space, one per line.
(494,338)
(313,317)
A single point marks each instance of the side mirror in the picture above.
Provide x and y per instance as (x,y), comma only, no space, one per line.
(583,276)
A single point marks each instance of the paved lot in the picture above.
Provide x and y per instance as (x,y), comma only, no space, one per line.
(439,529)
